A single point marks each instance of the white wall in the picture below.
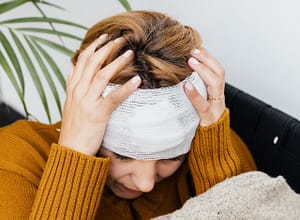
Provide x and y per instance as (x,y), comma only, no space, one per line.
(256,41)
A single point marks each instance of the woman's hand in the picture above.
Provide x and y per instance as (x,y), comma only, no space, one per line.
(212,73)
(86,112)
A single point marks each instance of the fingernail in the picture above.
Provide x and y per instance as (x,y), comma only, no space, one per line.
(118,39)
(189,86)
(103,36)
(128,53)
(196,51)
(194,61)
(135,79)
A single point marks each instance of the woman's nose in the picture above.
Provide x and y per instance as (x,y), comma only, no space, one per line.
(144,175)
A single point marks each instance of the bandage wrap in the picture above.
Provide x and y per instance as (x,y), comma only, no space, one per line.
(153,124)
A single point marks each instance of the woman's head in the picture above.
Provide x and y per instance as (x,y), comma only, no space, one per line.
(161,46)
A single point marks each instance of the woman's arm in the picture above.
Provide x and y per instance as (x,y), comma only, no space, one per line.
(73,178)
(213,156)
(70,188)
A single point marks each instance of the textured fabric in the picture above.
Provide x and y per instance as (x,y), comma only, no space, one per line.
(165,113)
(40,180)
(248,196)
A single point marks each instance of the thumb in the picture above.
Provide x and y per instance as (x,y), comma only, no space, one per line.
(201,105)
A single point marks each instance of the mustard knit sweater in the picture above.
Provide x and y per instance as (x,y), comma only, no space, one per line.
(42,180)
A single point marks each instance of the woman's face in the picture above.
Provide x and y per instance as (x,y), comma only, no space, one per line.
(129,178)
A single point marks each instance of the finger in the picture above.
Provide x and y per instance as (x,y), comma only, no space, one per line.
(69,92)
(70,74)
(84,56)
(114,99)
(97,59)
(200,104)
(207,59)
(205,73)
(102,78)
(117,65)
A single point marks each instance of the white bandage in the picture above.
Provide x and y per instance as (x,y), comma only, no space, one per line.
(153,124)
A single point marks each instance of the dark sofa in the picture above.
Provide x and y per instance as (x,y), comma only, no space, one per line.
(272,136)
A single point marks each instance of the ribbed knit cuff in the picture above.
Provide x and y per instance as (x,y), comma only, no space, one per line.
(212,157)
(71,186)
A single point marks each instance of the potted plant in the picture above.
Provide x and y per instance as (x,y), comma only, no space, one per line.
(23,41)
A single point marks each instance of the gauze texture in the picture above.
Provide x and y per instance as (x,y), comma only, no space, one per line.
(153,124)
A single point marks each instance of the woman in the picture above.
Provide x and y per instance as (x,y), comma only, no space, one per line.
(89,166)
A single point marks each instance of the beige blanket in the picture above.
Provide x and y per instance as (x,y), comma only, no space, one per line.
(253,195)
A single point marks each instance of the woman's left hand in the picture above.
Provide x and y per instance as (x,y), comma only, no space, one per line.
(213,75)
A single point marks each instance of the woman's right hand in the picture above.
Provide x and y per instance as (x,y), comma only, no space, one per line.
(86,112)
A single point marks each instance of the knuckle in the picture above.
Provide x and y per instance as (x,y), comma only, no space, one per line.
(70,87)
(106,48)
(68,81)
(222,72)
(93,60)
(83,55)
(114,100)
(101,76)
(69,90)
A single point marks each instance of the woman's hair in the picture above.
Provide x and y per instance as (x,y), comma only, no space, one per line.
(161,46)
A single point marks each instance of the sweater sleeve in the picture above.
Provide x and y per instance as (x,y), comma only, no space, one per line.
(70,188)
(212,157)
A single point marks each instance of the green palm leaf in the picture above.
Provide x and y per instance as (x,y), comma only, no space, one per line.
(33,73)
(13,81)
(12,65)
(49,31)
(14,60)
(43,20)
(7,6)
(53,45)
(52,5)
(125,4)
(44,16)
(45,73)
(52,64)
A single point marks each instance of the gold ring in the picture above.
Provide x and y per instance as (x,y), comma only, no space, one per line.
(216,98)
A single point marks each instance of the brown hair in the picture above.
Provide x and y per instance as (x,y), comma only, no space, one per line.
(161,46)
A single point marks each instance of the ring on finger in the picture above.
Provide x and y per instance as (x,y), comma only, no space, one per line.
(216,98)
